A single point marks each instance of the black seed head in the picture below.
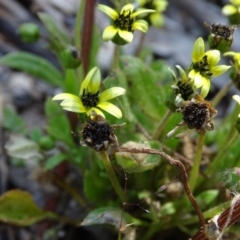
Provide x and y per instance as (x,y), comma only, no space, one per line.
(98,134)
(195,115)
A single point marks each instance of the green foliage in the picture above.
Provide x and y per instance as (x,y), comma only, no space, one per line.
(140,180)
(34,65)
(133,162)
(57,37)
(54,161)
(17,207)
(12,121)
(58,125)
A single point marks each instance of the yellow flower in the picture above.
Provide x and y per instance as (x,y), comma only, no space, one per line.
(236,57)
(124,23)
(231,9)
(156,18)
(204,66)
(90,99)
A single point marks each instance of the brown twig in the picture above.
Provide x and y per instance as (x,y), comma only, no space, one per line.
(183,174)
(222,221)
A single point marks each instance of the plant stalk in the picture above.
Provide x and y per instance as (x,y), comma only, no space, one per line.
(112,176)
(196,163)
(161,126)
(218,97)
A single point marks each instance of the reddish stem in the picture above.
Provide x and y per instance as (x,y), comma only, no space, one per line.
(183,175)
(224,220)
(87,33)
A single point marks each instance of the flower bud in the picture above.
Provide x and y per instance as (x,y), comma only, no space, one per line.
(46,143)
(29,32)
(71,57)
(221,36)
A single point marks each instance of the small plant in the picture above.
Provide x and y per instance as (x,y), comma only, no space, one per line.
(141,155)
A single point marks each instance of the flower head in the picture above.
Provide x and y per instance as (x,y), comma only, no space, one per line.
(221,36)
(204,66)
(182,90)
(156,18)
(98,134)
(237,99)
(235,73)
(232,11)
(124,23)
(90,99)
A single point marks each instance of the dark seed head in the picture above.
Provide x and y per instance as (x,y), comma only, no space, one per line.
(195,115)
(98,134)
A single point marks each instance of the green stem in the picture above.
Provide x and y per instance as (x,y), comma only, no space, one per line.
(218,159)
(78,24)
(112,176)
(140,45)
(162,124)
(196,163)
(221,94)
(116,57)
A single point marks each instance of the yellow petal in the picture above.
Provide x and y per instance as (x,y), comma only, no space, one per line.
(219,70)
(205,87)
(93,75)
(142,11)
(236,98)
(111,93)
(94,84)
(213,57)
(182,73)
(109,33)
(229,10)
(76,106)
(127,8)
(196,78)
(127,36)
(109,11)
(99,112)
(141,25)
(235,2)
(110,108)
(229,54)
(156,19)
(63,96)
(198,50)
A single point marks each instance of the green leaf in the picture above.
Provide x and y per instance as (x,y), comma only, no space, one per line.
(207,197)
(58,124)
(57,35)
(34,65)
(22,148)
(145,87)
(135,162)
(13,122)
(96,187)
(17,207)
(109,215)
(53,161)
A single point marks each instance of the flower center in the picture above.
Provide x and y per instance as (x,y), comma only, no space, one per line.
(89,99)
(195,115)
(124,21)
(185,89)
(203,67)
